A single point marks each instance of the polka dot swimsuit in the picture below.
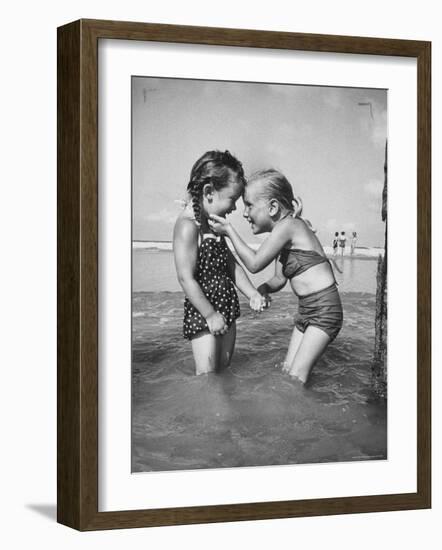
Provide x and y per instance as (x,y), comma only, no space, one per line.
(213,276)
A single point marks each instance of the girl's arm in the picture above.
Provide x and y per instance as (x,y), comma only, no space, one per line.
(239,277)
(185,247)
(243,283)
(335,265)
(254,260)
(277,282)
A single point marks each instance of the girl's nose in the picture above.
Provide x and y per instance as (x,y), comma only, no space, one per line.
(244,214)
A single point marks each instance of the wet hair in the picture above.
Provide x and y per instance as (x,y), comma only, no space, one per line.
(217,168)
(277,187)
(336,234)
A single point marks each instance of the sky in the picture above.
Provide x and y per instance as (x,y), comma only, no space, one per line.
(329,146)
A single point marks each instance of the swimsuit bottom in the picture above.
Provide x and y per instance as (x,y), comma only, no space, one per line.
(222,295)
(321,309)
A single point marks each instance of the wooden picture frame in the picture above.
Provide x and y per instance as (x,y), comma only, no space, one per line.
(77,459)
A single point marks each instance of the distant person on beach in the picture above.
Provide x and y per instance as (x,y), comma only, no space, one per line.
(206,269)
(354,238)
(342,241)
(271,207)
(335,243)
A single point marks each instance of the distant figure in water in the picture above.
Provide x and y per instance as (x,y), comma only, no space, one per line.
(206,269)
(335,243)
(354,238)
(271,207)
(342,241)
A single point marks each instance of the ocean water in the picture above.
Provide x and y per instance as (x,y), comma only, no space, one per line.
(251,414)
(154,271)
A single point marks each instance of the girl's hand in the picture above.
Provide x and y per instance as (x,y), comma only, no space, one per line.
(218,224)
(257,302)
(263,290)
(216,323)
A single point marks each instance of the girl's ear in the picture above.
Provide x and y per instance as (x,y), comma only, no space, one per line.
(274,207)
(208,191)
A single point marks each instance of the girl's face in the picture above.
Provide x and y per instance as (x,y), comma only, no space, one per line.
(222,202)
(256,209)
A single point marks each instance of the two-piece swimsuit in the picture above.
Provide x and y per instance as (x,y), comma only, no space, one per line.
(321,309)
(212,274)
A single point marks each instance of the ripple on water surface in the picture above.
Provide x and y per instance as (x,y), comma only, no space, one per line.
(251,414)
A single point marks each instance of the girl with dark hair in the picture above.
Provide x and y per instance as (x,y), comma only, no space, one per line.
(271,206)
(206,269)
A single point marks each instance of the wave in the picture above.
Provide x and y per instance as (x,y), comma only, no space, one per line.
(360,251)
(152,245)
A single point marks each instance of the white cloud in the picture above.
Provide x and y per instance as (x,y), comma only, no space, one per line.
(348,226)
(374,121)
(333,98)
(373,188)
(331,224)
(164,215)
(379,129)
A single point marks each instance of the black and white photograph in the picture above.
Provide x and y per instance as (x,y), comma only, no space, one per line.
(200,347)
(259,274)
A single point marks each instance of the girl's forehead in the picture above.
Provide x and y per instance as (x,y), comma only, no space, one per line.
(237,183)
(236,186)
(253,191)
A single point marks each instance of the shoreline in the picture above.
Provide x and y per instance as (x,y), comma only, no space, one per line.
(360,252)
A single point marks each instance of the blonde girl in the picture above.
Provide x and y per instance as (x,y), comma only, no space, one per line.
(271,207)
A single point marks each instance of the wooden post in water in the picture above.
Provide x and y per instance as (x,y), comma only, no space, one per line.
(380,350)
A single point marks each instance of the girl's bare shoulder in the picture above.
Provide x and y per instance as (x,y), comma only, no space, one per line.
(284,232)
(185,227)
(292,226)
(303,236)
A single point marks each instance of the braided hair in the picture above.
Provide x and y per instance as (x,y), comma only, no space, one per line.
(216,168)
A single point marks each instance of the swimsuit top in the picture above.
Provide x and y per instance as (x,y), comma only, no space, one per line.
(212,270)
(295,261)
